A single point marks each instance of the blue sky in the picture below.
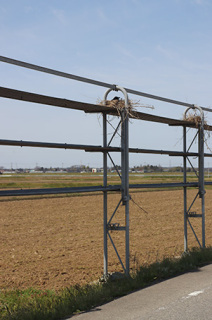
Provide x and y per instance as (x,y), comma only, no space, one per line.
(161,47)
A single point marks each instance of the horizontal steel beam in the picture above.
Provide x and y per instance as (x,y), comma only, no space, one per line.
(51,101)
(116,228)
(95,82)
(163,185)
(55,72)
(89,108)
(92,148)
(30,192)
(163,152)
(46,191)
(209,155)
(151,96)
(194,215)
(168,152)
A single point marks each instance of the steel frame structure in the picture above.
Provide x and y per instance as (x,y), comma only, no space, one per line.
(188,214)
(124,150)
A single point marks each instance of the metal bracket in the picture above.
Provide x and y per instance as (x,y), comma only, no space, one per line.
(194,215)
(114,88)
(113,226)
(202,193)
(116,227)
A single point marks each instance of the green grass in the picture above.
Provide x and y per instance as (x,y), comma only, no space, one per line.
(32,181)
(33,304)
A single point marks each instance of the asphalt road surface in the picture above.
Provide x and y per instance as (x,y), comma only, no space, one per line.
(185,297)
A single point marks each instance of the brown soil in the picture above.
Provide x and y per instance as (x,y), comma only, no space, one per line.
(56,242)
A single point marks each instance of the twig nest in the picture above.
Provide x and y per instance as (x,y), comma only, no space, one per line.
(117,104)
(193,118)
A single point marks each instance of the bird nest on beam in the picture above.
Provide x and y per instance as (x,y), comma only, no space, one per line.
(119,105)
(196,119)
(193,118)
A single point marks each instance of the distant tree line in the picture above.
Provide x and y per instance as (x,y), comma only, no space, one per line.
(83,168)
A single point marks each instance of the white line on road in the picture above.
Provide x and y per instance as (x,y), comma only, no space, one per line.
(195,293)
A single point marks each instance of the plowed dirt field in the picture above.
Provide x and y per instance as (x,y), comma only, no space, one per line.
(56,242)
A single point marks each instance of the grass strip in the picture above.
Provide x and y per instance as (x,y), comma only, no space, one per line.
(34,304)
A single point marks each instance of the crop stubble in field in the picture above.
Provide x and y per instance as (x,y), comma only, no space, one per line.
(56,242)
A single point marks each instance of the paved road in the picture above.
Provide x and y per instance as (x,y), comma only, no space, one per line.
(186,297)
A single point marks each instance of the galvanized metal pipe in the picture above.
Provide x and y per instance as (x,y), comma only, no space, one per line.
(43,191)
(201,170)
(185,191)
(164,185)
(194,233)
(125,175)
(116,251)
(201,180)
(90,148)
(125,168)
(54,72)
(93,148)
(94,82)
(105,231)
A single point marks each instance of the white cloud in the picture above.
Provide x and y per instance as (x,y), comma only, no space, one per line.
(106,19)
(125,52)
(60,16)
(169,54)
(199,2)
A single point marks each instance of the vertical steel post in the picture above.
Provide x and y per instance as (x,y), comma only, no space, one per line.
(105,194)
(125,181)
(201,169)
(201,178)
(124,176)
(185,190)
